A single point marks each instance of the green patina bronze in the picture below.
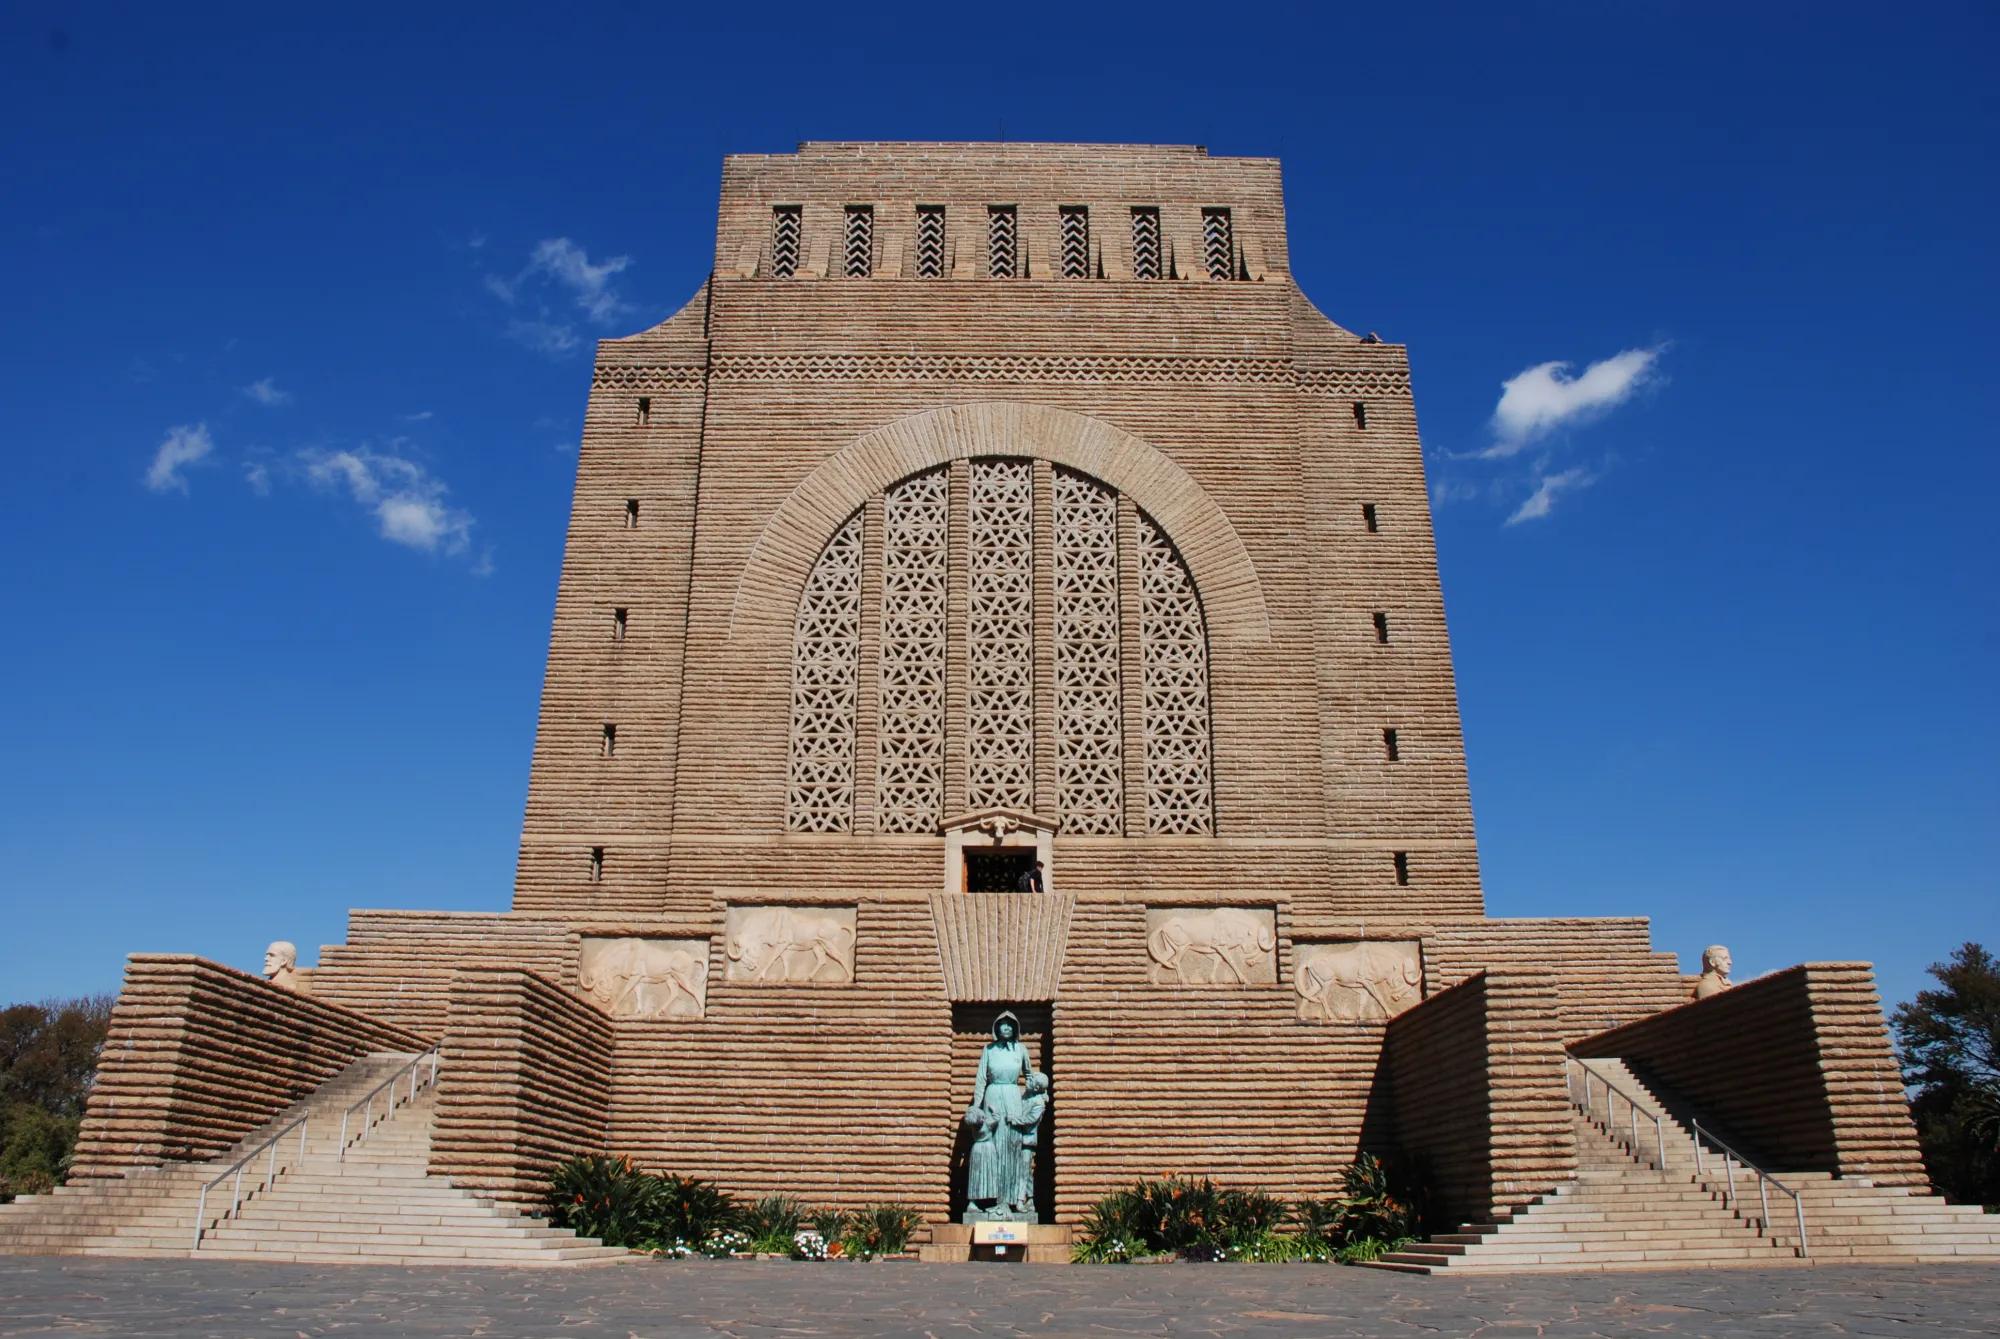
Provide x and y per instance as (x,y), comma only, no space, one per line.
(1009,1100)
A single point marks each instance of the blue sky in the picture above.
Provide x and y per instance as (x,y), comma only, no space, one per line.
(1735,674)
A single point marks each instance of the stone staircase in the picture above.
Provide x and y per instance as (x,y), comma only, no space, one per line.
(1624,1212)
(377,1205)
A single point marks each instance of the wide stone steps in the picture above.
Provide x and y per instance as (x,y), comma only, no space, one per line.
(376,1202)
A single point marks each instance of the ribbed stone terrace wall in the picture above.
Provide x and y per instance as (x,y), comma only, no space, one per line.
(1472,1085)
(1795,1069)
(199,1055)
(525,1083)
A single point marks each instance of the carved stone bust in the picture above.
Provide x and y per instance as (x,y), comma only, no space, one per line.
(281,965)
(1715,966)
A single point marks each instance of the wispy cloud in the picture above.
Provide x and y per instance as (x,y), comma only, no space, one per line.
(185,445)
(1548,488)
(257,475)
(421,416)
(1537,401)
(559,276)
(265,392)
(408,502)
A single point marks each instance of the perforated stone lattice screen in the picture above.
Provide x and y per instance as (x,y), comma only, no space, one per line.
(826,658)
(1000,637)
(909,786)
(1086,657)
(930,242)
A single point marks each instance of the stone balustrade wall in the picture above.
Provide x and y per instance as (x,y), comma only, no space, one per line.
(1471,1084)
(1794,1069)
(199,1055)
(526,1083)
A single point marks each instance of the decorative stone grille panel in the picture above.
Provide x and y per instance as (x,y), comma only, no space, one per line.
(1001,248)
(1089,738)
(785,229)
(1075,242)
(930,241)
(1218,244)
(1146,249)
(1000,636)
(826,658)
(1174,681)
(860,247)
(909,784)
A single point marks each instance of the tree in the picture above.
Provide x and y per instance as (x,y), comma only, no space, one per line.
(1950,1042)
(48,1056)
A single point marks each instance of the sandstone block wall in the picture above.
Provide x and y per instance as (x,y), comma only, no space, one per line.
(525,1083)
(199,1055)
(1603,968)
(1794,1069)
(1472,1084)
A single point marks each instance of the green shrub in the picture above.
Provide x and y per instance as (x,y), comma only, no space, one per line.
(880,1229)
(830,1224)
(690,1211)
(604,1196)
(773,1218)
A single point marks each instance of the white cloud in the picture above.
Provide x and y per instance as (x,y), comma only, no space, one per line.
(257,474)
(265,392)
(1547,489)
(1536,402)
(407,501)
(565,262)
(421,416)
(558,274)
(188,444)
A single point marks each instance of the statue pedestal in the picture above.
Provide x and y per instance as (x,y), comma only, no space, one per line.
(1042,1244)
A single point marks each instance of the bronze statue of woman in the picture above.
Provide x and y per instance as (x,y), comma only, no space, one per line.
(994,1167)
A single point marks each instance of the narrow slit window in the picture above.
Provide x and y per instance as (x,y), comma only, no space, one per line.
(1381,627)
(1075,242)
(786,226)
(618,621)
(645,410)
(631,513)
(597,864)
(1361,413)
(1146,243)
(860,254)
(1002,250)
(930,241)
(1368,517)
(609,748)
(1402,869)
(1218,244)
(1390,746)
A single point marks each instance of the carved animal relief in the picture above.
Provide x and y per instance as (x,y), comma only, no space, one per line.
(790,945)
(1358,982)
(1217,946)
(645,978)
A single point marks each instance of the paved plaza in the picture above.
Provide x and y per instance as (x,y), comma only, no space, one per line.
(71,1297)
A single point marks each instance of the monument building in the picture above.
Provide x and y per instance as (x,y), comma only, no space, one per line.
(1000,610)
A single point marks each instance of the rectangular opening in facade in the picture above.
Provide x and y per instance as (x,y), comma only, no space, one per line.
(618,625)
(609,747)
(786,227)
(1361,413)
(1002,238)
(597,864)
(930,241)
(645,410)
(1390,746)
(631,513)
(1001,870)
(1075,242)
(1146,249)
(1402,869)
(1381,627)
(1368,517)
(860,244)
(1218,244)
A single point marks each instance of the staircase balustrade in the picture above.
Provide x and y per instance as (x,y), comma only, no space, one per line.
(366,1106)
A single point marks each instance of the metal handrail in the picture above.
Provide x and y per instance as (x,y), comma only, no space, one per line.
(236,1169)
(1764,1182)
(389,1107)
(1610,1113)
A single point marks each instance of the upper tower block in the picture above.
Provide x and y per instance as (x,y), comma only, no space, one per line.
(1028,212)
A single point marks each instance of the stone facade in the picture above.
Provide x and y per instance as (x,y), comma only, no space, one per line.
(995,504)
